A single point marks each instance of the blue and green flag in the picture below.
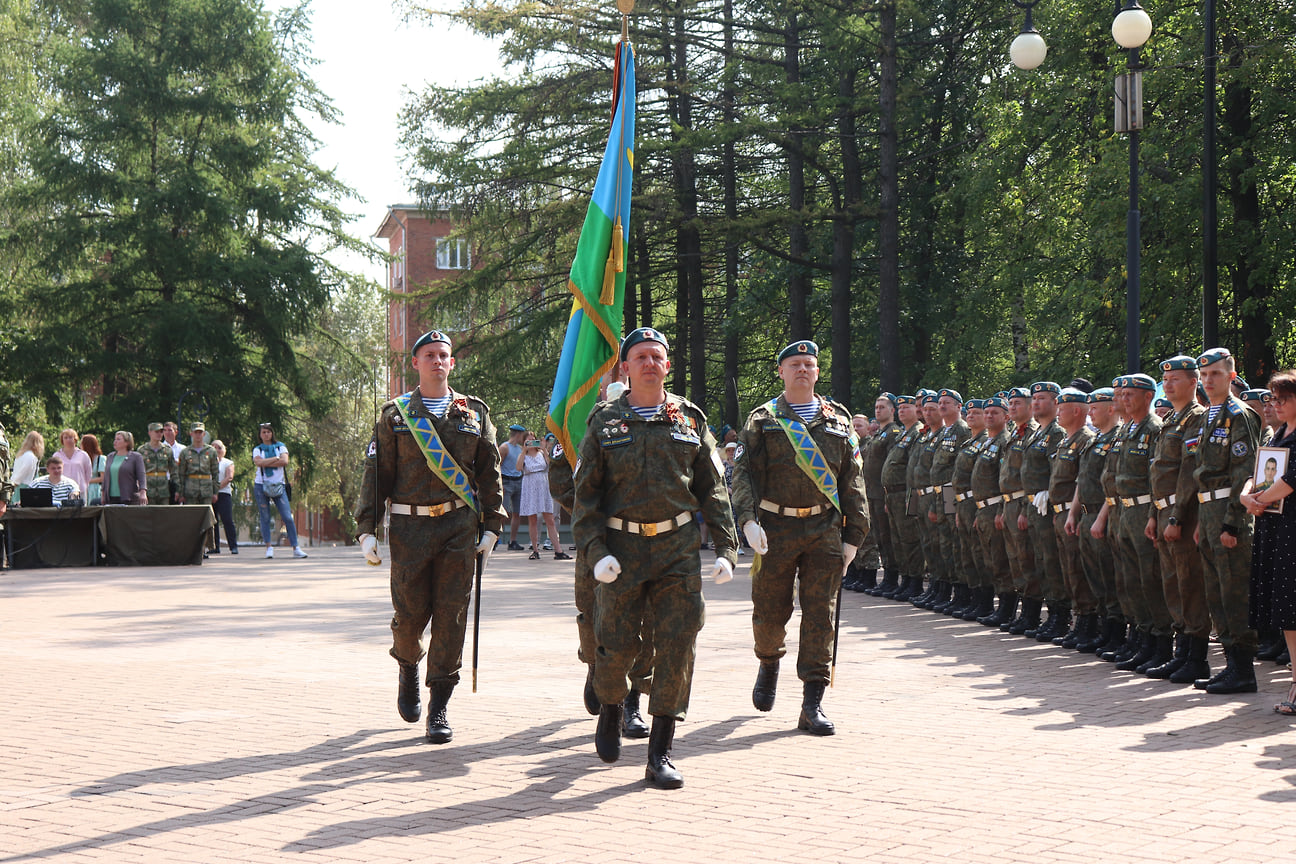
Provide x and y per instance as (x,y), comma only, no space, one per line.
(597,280)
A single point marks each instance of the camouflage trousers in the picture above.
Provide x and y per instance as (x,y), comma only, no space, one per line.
(1145,571)
(1099,566)
(158,489)
(944,566)
(994,548)
(1083,599)
(660,577)
(904,535)
(1182,581)
(870,554)
(1227,575)
(432,566)
(641,672)
(927,536)
(970,562)
(804,560)
(1021,554)
(1047,561)
(1129,594)
(881,529)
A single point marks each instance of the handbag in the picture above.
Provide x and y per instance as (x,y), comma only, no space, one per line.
(273,490)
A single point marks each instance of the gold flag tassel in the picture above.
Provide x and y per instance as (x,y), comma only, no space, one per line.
(615,264)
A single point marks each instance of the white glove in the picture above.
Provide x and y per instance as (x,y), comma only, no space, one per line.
(369,546)
(607,569)
(848,554)
(1041,502)
(756,538)
(486,545)
(723,571)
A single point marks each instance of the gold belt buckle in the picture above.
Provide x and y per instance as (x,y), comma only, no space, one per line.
(438,510)
(803,512)
(648,529)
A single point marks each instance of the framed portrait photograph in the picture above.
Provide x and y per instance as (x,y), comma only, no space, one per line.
(1271,463)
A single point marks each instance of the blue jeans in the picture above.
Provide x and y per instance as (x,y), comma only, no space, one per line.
(285,513)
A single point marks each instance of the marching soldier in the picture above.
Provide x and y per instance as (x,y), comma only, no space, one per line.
(1226,453)
(970,561)
(436,516)
(1021,554)
(159,465)
(1086,505)
(1035,518)
(904,525)
(801,473)
(648,463)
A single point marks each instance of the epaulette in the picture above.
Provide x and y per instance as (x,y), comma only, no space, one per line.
(1234,407)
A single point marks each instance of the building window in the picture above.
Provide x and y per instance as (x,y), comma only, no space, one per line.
(452,254)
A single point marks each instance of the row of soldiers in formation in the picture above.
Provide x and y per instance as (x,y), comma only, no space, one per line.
(1125,526)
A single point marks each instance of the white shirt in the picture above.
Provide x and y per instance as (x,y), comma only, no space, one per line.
(24,468)
(225,488)
(270,451)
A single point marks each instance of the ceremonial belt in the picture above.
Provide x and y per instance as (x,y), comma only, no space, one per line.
(426,509)
(156,474)
(197,476)
(443,464)
(1203,497)
(649,529)
(808,456)
(799,512)
(990,502)
(1162,503)
(1013,496)
(1136,500)
(1111,502)
(961,496)
(927,490)
(1058,508)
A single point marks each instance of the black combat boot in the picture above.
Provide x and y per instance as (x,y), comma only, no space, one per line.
(1098,636)
(1271,645)
(864,580)
(910,587)
(438,727)
(408,696)
(661,771)
(1027,619)
(632,722)
(984,607)
(591,698)
(1078,631)
(971,600)
(921,597)
(1239,675)
(1147,647)
(1007,609)
(1049,624)
(1195,665)
(885,588)
(1162,652)
(850,577)
(1115,647)
(1177,659)
(766,684)
(957,597)
(1133,644)
(607,735)
(812,717)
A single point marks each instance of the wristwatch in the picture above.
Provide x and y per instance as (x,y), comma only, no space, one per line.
(1173,521)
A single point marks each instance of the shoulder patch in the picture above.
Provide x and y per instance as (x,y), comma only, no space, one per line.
(1234,408)
(1240,448)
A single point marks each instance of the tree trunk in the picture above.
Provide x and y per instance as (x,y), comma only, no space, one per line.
(889,202)
(729,179)
(798,245)
(844,238)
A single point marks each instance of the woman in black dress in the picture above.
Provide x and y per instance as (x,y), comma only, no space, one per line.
(1273,557)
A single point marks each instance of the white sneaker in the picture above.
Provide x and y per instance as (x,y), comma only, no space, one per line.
(298,552)
(269,551)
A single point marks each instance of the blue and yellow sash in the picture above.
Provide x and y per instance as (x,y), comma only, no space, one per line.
(808,456)
(443,465)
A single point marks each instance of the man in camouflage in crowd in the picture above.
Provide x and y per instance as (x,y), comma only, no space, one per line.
(953,432)
(1138,441)
(1086,505)
(1174,519)
(159,465)
(1035,470)
(989,503)
(904,525)
(648,462)
(869,557)
(440,522)
(1073,411)
(1021,554)
(1260,401)
(1225,454)
(875,453)
(969,558)
(198,474)
(809,526)
(563,490)
(921,495)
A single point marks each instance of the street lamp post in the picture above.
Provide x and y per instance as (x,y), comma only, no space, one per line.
(1131,28)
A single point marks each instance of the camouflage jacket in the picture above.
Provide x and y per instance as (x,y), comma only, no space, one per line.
(1172,465)
(1138,440)
(1065,473)
(198,474)
(875,452)
(1226,454)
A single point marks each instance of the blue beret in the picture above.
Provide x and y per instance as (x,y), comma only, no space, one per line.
(1073,395)
(923,393)
(1214,355)
(906,400)
(1019,393)
(428,338)
(516,428)
(953,394)
(886,395)
(643,334)
(1045,387)
(1002,394)
(996,402)
(1241,383)
(1162,402)
(1102,394)
(1258,394)
(1137,381)
(804,348)
(925,396)
(972,403)
(1179,361)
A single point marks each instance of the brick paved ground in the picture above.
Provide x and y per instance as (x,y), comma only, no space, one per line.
(243,711)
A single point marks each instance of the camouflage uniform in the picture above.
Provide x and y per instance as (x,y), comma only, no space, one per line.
(904,527)
(1129,592)
(1096,552)
(1174,490)
(1225,457)
(1021,554)
(1035,471)
(875,452)
(1062,487)
(432,557)
(159,465)
(970,561)
(920,485)
(563,490)
(1134,489)
(944,544)
(650,471)
(198,474)
(989,504)
(804,550)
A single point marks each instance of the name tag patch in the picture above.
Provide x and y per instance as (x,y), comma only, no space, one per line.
(617,441)
(686,437)
(469,428)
